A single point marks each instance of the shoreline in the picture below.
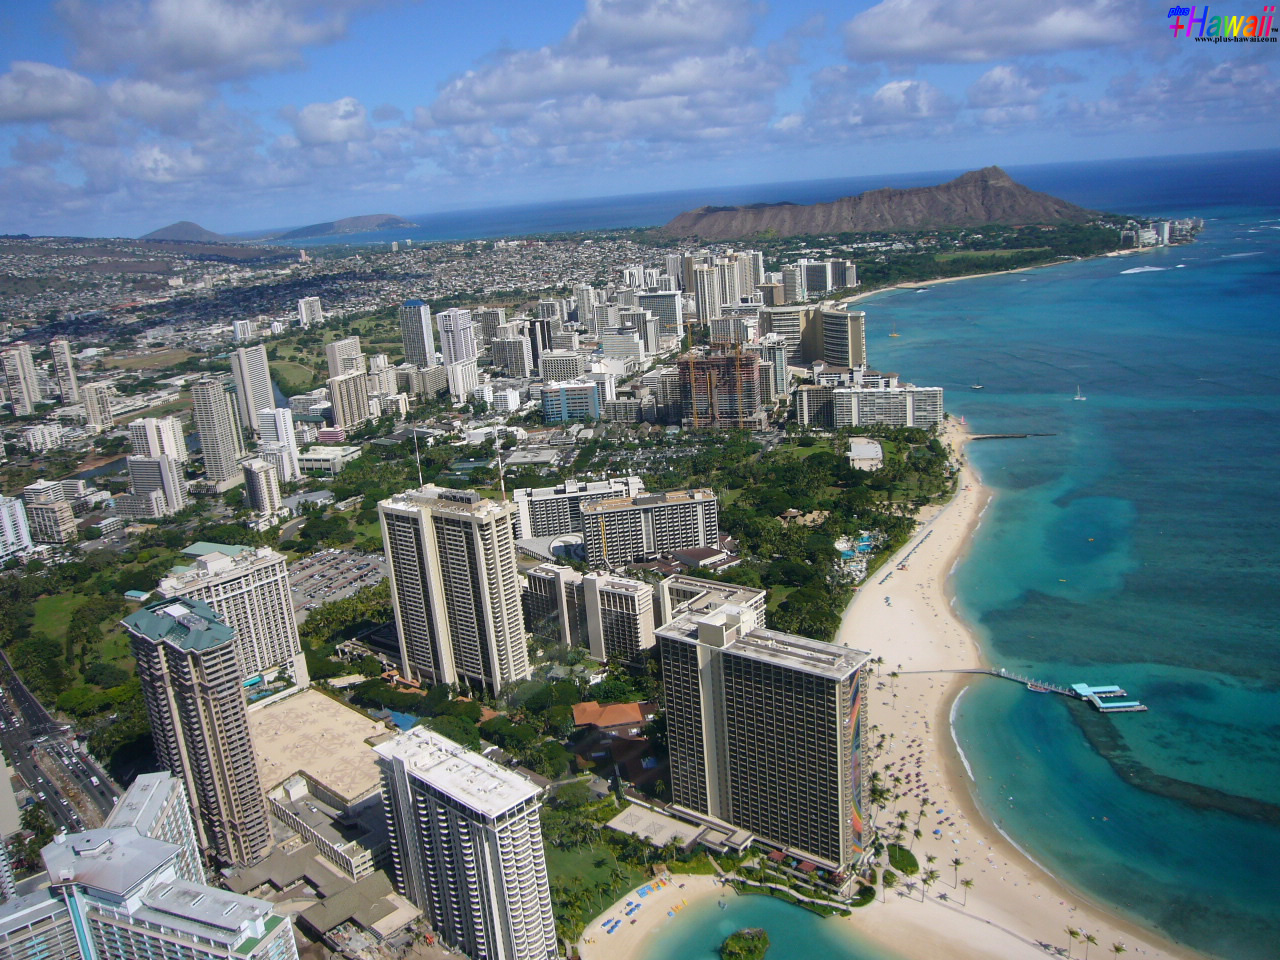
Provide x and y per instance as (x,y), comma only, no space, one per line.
(1016,908)
(921,284)
(1016,904)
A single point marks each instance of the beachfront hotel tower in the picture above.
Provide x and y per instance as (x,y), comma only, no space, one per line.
(466,847)
(455,587)
(765,732)
(191,685)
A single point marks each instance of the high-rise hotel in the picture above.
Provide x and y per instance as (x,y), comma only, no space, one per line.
(455,587)
(191,684)
(466,847)
(765,732)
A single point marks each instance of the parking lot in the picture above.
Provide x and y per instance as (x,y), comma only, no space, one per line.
(331,575)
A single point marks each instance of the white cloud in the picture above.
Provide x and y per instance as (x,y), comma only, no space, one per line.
(973,31)
(634,78)
(341,121)
(39,92)
(202,40)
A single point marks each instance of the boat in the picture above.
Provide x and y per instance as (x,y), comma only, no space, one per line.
(895,332)
(975,386)
(1079,395)
(1036,688)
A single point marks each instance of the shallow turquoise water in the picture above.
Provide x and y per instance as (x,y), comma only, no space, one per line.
(1136,545)
(794,934)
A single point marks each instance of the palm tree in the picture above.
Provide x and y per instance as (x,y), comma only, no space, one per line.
(1089,940)
(1074,934)
(1117,948)
(930,858)
(968,885)
(929,879)
(957,863)
(889,879)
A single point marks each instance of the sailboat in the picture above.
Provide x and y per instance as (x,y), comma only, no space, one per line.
(976,385)
(1079,395)
(895,330)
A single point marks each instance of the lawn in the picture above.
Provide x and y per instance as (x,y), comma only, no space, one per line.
(150,361)
(777,595)
(953,254)
(160,410)
(588,869)
(796,452)
(292,375)
(53,614)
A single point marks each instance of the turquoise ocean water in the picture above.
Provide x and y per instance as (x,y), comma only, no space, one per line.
(1139,545)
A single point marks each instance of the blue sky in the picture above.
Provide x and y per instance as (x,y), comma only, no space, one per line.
(119,116)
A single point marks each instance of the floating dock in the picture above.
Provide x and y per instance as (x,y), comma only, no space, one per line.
(1103,698)
(1096,695)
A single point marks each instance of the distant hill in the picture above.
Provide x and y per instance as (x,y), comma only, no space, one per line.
(973,199)
(186,232)
(336,228)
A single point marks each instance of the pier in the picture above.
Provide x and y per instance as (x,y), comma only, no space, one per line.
(1102,698)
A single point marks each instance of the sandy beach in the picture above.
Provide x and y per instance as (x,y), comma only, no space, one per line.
(1014,909)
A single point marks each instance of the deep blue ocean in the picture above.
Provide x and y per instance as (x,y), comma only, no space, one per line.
(1139,544)
(1120,185)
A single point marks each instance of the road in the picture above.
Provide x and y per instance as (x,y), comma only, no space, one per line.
(29,730)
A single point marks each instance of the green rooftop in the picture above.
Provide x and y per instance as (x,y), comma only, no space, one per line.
(202,547)
(186,623)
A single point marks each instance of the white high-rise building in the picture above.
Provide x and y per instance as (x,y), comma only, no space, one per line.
(309,312)
(220,437)
(242,331)
(464,377)
(416,334)
(15,534)
(20,379)
(279,441)
(466,847)
(707,293)
(148,475)
(115,894)
(455,587)
(350,398)
(668,307)
(159,437)
(619,616)
(253,384)
(156,805)
(64,369)
(249,588)
(262,488)
(345,356)
(625,529)
(97,405)
(457,335)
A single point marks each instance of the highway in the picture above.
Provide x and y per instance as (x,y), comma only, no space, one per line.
(30,729)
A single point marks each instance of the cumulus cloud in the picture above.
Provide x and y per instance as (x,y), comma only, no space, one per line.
(632,77)
(341,121)
(1188,96)
(204,40)
(40,92)
(973,31)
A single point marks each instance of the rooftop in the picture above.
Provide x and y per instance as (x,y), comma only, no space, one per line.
(142,802)
(188,624)
(465,502)
(768,646)
(203,547)
(591,713)
(113,861)
(466,776)
(650,499)
(320,736)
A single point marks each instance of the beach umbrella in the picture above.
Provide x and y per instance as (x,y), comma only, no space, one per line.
(937,833)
